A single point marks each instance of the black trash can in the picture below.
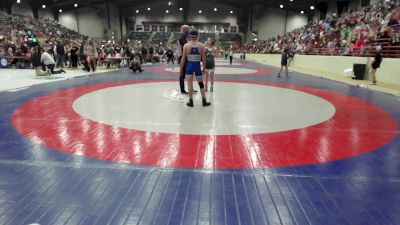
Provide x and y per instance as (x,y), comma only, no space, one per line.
(359,71)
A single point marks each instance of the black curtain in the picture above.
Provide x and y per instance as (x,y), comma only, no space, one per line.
(342,6)
(323,9)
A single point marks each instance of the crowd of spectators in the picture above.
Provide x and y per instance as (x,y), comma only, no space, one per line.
(352,33)
(230,37)
(138,36)
(17,30)
(24,39)
(161,38)
(204,36)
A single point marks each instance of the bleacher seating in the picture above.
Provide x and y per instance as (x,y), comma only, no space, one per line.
(230,38)
(176,37)
(354,33)
(139,36)
(204,36)
(26,28)
(160,37)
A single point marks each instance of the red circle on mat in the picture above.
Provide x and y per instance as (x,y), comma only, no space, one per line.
(260,72)
(356,128)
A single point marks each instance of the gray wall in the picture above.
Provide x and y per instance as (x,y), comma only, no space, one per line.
(273,22)
(93,21)
(157,13)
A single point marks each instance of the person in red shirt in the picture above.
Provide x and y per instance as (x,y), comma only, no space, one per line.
(360,43)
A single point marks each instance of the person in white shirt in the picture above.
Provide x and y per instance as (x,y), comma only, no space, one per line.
(48,60)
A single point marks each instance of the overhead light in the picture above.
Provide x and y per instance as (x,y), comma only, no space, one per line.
(180,9)
(170,3)
(215,9)
(291,0)
(75,5)
(148,9)
(43,6)
(231,12)
(312,7)
(60,10)
(302,12)
(18,1)
(281,6)
(200,11)
(137,10)
(167,11)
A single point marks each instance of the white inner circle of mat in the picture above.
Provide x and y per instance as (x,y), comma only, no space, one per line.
(223,70)
(237,108)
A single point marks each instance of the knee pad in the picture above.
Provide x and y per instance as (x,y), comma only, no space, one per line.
(201,84)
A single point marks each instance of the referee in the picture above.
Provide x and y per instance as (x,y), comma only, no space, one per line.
(180,43)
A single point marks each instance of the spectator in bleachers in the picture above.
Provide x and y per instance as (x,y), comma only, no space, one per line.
(394,19)
(396,40)
(354,31)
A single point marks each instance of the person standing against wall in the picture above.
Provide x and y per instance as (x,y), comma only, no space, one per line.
(376,63)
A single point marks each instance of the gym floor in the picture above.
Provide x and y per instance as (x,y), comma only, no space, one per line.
(123,148)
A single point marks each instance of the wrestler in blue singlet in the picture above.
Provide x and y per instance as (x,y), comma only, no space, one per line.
(193,55)
(193,61)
